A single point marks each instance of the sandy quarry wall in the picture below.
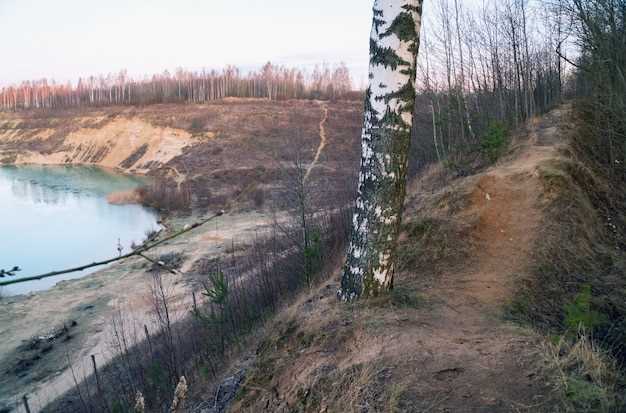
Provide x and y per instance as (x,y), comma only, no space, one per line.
(127,143)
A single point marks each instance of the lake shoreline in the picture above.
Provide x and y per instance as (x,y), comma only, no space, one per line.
(63,219)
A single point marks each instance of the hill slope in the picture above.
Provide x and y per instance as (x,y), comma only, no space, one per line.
(440,341)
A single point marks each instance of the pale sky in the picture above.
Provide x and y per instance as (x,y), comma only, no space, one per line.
(66,39)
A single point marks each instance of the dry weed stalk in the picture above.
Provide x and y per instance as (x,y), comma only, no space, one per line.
(140,403)
(180,394)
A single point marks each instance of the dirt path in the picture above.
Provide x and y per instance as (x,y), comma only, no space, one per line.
(179,178)
(322,145)
(506,199)
(476,361)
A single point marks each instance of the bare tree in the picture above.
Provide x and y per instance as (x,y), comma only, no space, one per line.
(298,198)
(271,82)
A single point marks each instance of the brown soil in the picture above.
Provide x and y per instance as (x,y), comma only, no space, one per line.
(440,341)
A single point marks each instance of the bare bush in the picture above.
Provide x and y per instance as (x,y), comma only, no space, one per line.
(164,195)
(170,260)
(197,125)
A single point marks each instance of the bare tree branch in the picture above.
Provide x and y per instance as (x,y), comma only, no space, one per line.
(136,253)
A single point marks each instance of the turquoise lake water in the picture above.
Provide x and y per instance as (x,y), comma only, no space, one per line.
(55,217)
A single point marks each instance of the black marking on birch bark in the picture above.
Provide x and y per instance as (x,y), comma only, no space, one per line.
(406,95)
(369,110)
(377,21)
(392,118)
(402,26)
(417,9)
(385,56)
(415,46)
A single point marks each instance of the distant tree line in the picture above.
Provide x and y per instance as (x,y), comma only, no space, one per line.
(484,69)
(271,82)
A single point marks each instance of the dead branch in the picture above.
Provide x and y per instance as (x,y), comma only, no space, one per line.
(136,253)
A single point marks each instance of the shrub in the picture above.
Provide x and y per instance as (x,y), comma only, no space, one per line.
(258,197)
(402,297)
(151,234)
(165,195)
(579,314)
(494,141)
(313,256)
(217,290)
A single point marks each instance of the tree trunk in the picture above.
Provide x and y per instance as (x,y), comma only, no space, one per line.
(389,104)
(462,101)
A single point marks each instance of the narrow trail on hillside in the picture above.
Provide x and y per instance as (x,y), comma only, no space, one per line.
(474,358)
(459,351)
(179,177)
(322,144)
(507,201)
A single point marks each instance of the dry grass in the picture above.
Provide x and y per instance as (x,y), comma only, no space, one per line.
(428,242)
(310,366)
(124,198)
(165,196)
(585,375)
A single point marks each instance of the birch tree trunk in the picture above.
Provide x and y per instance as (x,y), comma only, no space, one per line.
(386,136)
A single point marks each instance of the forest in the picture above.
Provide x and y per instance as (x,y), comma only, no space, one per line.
(271,82)
(484,69)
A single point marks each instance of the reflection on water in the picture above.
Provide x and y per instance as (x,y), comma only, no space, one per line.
(57,217)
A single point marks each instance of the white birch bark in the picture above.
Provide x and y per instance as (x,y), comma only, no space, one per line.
(389,104)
